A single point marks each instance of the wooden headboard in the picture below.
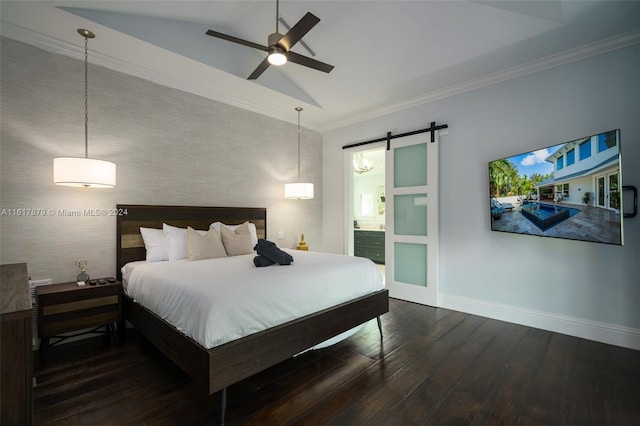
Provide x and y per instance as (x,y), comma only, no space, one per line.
(130,247)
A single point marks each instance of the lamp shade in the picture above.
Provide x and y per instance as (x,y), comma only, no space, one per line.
(84,172)
(298,191)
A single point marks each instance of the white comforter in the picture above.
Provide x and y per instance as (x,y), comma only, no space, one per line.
(214,301)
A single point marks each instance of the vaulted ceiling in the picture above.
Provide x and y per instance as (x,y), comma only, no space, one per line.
(388,55)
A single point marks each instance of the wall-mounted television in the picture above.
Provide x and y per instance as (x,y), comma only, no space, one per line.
(570,190)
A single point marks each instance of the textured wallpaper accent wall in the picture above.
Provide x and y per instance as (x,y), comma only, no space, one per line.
(170,147)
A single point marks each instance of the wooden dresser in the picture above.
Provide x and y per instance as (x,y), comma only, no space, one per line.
(16,359)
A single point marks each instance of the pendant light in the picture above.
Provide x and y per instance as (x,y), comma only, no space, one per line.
(298,190)
(84,171)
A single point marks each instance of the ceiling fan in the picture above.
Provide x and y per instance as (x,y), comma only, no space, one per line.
(279,46)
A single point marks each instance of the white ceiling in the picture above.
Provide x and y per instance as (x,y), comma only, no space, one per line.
(388,55)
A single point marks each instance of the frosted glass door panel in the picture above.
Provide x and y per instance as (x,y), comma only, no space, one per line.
(410,166)
(411,219)
(410,263)
(410,214)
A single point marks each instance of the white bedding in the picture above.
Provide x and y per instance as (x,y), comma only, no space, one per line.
(214,301)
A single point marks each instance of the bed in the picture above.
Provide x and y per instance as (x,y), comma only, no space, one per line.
(215,368)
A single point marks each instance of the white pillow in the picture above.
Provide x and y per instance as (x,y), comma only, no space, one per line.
(155,244)
(252,230)
(176,241)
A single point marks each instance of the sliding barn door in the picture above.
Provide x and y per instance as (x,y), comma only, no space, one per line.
(411,245)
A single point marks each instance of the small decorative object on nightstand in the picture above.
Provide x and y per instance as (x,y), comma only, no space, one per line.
(67,307)
(83,276)
(302,245)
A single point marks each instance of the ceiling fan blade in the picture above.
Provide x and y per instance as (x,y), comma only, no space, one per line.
(237,40)
(308,62)
(260,69)
(302,27)
(304,44)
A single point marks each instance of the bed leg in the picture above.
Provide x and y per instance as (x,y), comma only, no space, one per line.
(223,405)
(379,327)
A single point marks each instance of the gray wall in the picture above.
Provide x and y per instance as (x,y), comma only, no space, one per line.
(170,147)
(545,282)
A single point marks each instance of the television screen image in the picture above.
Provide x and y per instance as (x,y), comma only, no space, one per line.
(570,190)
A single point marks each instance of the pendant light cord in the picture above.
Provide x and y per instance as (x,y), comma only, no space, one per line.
(86,97)
(298,109)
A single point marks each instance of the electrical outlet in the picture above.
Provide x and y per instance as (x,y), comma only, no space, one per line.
(281,235)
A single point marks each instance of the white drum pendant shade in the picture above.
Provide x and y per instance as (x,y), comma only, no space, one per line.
(84,172)
(299,190)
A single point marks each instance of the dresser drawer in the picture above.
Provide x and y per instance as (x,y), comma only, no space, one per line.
(360,251)
(377,255)
(376,240)
(359,241)
(73,316)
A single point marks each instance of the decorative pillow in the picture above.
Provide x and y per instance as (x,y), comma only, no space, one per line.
(155,244)
(176,241)
(206,246)
(237,242)
(251,225)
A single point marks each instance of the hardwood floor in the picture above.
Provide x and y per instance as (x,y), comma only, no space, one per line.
(434,366)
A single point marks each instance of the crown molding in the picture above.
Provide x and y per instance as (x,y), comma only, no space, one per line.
(54,45)
(51,44)
(551,61)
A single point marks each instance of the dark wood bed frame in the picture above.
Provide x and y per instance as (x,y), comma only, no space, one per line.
(215,369)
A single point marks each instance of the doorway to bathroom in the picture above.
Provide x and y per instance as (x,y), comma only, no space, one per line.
(367,201)
(395,222)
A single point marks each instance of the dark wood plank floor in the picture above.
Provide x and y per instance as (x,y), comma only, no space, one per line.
(434,366)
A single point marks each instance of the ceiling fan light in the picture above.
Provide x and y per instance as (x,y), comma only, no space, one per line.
(277,56)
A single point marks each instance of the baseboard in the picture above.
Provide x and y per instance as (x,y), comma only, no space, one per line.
(612,334)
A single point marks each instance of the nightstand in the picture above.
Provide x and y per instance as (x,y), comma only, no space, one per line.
(67,307)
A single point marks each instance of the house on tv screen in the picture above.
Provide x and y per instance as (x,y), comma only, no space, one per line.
(585,166)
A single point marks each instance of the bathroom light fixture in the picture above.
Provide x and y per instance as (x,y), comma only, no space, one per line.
(361,165)
(84,171)
(298,190)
